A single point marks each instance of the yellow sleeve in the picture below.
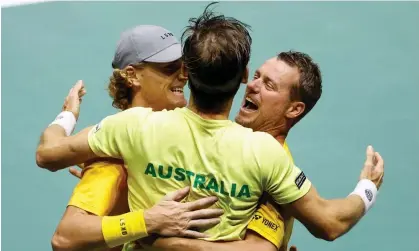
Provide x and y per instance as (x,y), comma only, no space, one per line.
(98,188)
(288,152)
(268,222)
(114,136)
(284,181)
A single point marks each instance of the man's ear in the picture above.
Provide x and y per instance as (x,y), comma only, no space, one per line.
(245,78)
(296,109)
(183,72)
(133,76)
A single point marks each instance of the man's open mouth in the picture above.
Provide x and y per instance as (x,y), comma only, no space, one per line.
(249,105)
(177,90)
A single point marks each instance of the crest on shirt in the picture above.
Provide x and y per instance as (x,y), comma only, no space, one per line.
(98,126)
(299,181)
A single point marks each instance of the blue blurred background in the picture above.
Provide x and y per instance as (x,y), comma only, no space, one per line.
(367,51)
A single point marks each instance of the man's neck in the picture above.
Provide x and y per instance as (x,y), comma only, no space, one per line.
(280,133)
(138,101)
(212,116)
(281,138)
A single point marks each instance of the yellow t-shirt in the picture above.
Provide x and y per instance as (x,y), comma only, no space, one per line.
(168,150)
(270,223)
(101,190)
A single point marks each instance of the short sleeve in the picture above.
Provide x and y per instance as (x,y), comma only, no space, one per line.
(284,181)
(99,187)
(268,222)
(114,135)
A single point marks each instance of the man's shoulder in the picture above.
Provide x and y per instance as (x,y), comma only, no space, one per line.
(265,141)
(145,114)
(137,110)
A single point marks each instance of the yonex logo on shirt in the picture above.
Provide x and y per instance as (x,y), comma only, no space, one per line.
(199,181)
(269,224)
(256,217)
(266,222)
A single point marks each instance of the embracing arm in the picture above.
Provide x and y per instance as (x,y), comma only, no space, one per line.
(330,219)
(79,230)
(101,191)
(327,219)
(258,236)
(56,151)
(252,242)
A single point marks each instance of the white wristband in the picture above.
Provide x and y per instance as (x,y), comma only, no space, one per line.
(66,120)
(368,192)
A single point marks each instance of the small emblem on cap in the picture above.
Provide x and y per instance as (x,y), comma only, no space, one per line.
(165,35)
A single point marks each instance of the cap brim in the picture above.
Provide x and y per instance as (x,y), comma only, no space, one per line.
(171,53)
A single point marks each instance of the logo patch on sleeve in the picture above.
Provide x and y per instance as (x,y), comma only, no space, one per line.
(299,181)
(97,127)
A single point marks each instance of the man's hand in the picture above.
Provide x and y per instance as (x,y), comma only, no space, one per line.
(74,98)
(373,167)
(76,172)
(170,217)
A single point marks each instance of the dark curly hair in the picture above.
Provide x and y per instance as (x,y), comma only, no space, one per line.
(216,52)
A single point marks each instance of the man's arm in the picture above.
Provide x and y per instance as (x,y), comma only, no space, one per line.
(328,219)
(56,151)
(79,230)
(258,235)
(99,193)
(252,242)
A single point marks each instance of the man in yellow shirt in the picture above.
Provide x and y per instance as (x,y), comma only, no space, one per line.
(198,146)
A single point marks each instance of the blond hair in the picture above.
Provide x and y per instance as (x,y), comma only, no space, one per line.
(119,88)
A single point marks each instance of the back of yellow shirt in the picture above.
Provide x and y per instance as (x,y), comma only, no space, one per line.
(168,150)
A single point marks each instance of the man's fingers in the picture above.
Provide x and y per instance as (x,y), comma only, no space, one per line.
(194,234)
(177,195)
(77,88)
(206,213)
(380,162)
(370,156)
(82,93)
(204,223)
(201,203)
(75,172)
(69,92)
